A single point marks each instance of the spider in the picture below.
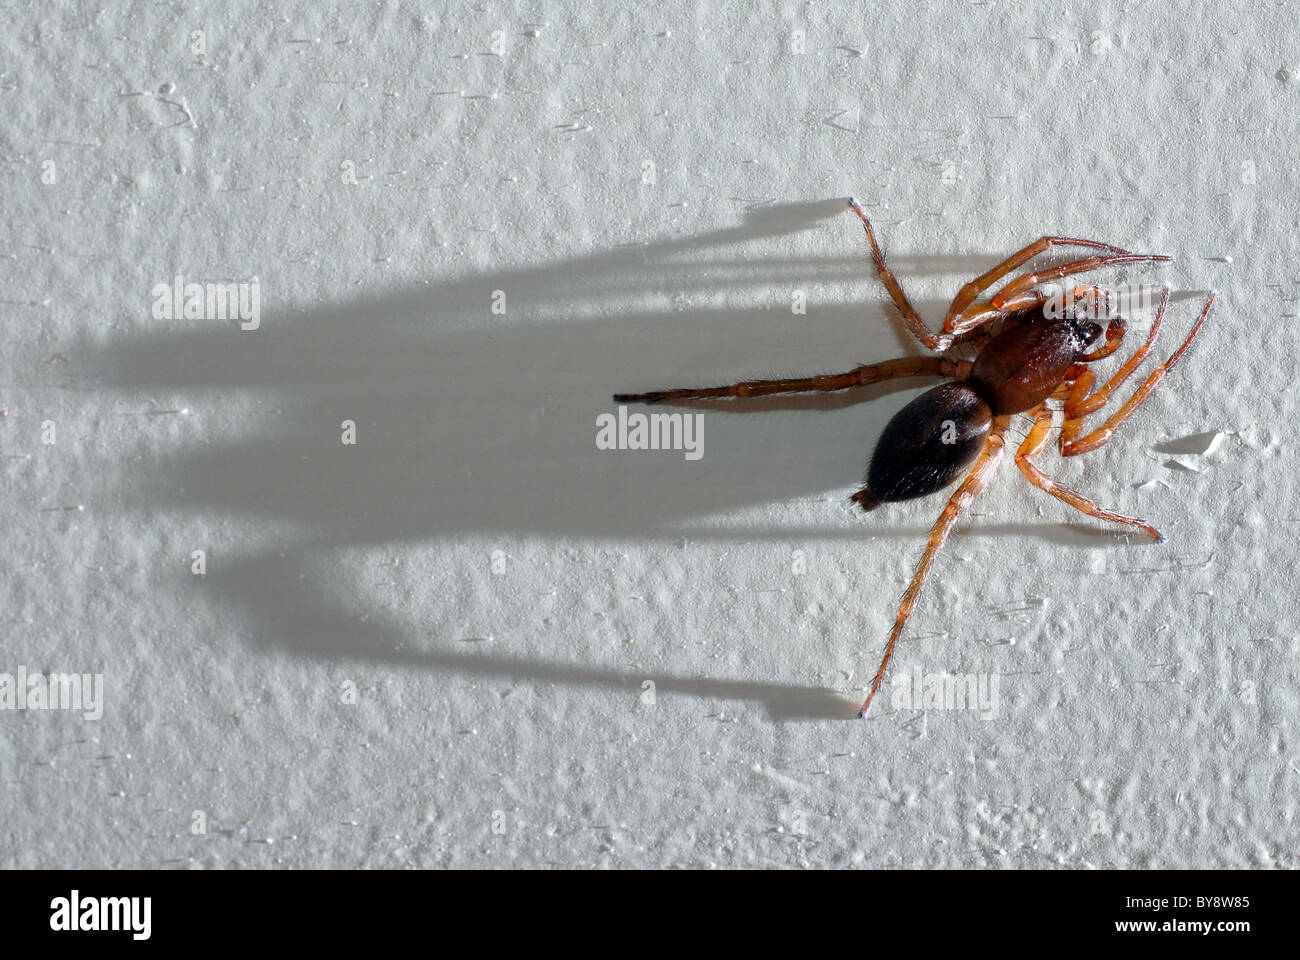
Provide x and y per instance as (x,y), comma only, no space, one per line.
(962,423)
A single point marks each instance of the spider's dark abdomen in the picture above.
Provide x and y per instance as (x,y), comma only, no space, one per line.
(1021,366)
(927,445)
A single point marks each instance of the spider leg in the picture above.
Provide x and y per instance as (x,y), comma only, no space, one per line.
(975,481)
(1035,443)
(963,316)
(1102,434)
(1082,401)
(1020,294)
(857,377)
(932,341)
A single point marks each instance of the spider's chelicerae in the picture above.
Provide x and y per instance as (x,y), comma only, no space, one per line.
(1039,353)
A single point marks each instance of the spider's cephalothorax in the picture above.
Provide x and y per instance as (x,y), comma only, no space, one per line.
(961,424)
(935,438)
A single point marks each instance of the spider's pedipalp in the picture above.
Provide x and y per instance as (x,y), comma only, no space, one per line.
(1115,331)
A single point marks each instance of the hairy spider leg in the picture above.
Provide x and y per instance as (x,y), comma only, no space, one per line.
(913,319)
(1083,401)
(975,481)
(1035,442)
(857,377)
(1101,435)
(1020,294)
(964,314)
(942,341)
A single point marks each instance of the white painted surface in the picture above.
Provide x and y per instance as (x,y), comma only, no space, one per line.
(382,173)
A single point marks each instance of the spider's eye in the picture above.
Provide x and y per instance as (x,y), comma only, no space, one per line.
(1088,332)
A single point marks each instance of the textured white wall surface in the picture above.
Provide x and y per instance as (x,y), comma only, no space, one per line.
(467,229)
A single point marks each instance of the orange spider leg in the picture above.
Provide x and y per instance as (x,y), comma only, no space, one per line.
(1102,434)
(857,377)
(975,481)
(1082,401)
(981,314)
(932,341)
(964,314)
(1035,442)
(1020,294)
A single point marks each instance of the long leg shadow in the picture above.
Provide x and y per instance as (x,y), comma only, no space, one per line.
(466,426)
(295,616)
